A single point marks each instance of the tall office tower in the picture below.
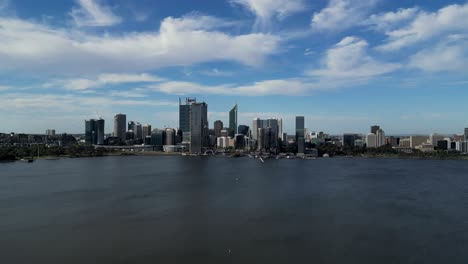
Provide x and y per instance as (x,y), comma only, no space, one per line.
(466,134)
(184,113)
(131,126)
(348,140)
(170,136)
(138,131)
(243,130)
(256,124)
(198,127)
(280,128)
(146,129)
(218,126)
(273,124)
(264,139)
(371,140)
(94,131)
(50,132)
(233,121)
(300,131)
(120,121)
(381,141)
(373,129)
(100,123)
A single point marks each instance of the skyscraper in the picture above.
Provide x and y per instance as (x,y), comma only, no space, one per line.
(466,134)
(381,141)
(131,126)
(198,127)
(138,132)
(348,140)
(233,121)
(218,126)
(184,113)
(94,131)
(146,129)
(300,130)
(243,130)
(120,121)
(374,129)
(256,124)
(280,128)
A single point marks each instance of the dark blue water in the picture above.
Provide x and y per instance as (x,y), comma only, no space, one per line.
(220,210)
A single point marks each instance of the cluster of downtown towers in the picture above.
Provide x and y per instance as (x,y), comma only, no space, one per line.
(194,134)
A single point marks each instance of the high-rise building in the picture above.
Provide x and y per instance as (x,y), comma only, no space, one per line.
(170,136)
(300,130)
(434,138)
(50,132)
(243,130)
(120,121)
(218,126)
(184,113)
(233,121)
(348,140)
(466,134)
(131,126)
(280,128)
(256,124)
(381,141)
(146,129)
(158,138)
(374,129)
(198,127)
(94,131)
(138,131)
(371,140)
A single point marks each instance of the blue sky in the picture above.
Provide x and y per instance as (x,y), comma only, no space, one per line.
(343,64)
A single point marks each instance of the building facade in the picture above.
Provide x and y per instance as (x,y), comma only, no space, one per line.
(233,121)
(120,129)
(198,127)
(184,113)
(94,131)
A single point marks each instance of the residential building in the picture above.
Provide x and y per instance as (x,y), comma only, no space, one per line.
(371,140)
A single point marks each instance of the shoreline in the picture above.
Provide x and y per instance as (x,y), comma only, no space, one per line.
(166,154)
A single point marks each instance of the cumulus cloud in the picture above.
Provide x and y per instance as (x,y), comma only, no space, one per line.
(342,14)
(180,41)
(91,13)
(101,80)
(425,26)
(266,10)
(349,60)
(449,55)
(390,20)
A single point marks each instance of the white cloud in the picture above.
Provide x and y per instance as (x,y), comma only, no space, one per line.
(128,94)
(349,60)
(449,55)
(390,20)
(266,10)
(262,88)
(4,88)
(101,80)
(342,14)
(182,41)
(425,26)
(91,13)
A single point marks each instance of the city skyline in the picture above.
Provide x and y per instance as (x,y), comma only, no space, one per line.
(344,65)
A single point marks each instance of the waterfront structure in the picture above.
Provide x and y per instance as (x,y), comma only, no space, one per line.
(374,129)
(198,127)
(50,132)
(218,126)
(184,113)
(94,131)
(233,121)
(371,140)
(381,141)
(146,130)
(120,121)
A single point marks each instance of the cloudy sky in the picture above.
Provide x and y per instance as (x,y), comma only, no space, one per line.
(343,64)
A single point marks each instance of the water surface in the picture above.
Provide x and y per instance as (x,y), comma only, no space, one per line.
(221,210)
